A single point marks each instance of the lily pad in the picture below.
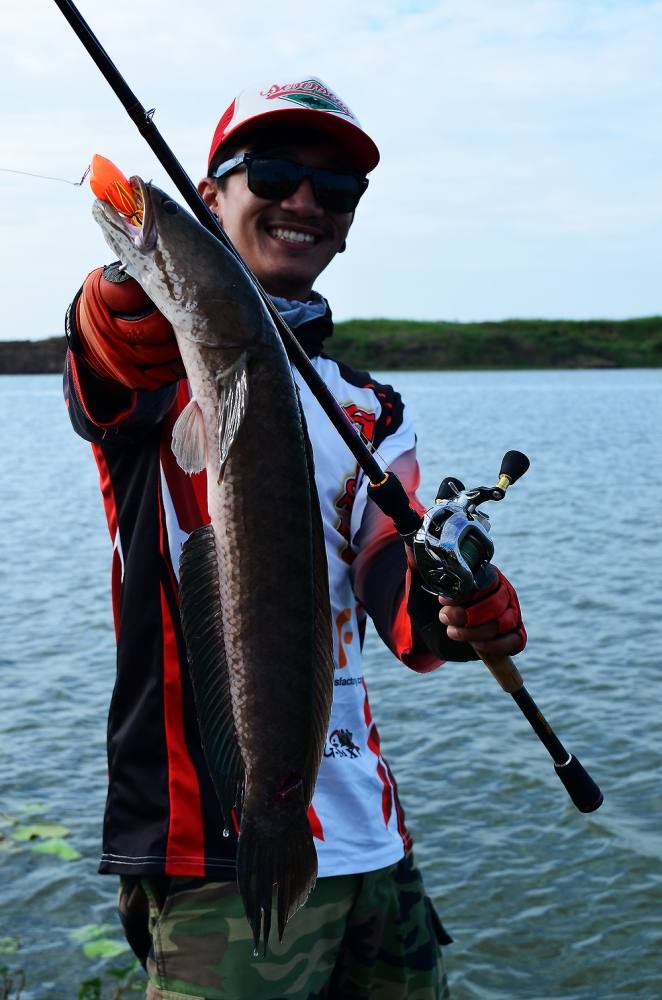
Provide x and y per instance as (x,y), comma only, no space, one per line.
(58,847)
(32,808)
(33,831)
(104,948)
(90,932)
(9,945)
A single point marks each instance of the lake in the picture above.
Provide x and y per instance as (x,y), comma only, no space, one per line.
(542,901)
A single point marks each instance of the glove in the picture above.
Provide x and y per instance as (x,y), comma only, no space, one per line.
(491,622)
(123,336)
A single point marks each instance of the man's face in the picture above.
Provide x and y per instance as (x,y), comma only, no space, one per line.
(287,243)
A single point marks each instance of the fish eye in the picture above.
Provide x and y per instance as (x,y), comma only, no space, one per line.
(170,206)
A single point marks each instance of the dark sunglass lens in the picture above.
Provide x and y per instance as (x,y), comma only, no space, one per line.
(337,192)
(273,179)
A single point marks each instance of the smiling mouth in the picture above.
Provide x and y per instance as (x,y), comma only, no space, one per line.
(289,235)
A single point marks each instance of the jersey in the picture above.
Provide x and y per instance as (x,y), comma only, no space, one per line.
(162,815)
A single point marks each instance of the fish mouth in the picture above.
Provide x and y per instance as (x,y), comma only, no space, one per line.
(139,228)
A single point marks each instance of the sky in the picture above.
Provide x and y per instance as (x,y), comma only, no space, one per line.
(521,143)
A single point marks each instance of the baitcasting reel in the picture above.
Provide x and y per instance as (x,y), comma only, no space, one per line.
(452,547)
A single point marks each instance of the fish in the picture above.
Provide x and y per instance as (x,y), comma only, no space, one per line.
(253,588)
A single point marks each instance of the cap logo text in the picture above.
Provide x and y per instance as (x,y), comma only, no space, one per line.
(309,94)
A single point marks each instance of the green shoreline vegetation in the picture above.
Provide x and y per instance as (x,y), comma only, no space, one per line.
(514,343)
(412,345)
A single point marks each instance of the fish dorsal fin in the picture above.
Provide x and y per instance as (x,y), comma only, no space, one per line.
(189,440)
(232,406)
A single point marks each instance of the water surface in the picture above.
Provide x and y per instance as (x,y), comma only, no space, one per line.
(543,902)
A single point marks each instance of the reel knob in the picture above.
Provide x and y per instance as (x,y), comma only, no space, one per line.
(449,489)
(514,464)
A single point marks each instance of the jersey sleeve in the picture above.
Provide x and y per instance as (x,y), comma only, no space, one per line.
(102,408)
(405,616)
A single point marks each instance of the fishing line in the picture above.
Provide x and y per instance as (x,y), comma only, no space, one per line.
(46,177)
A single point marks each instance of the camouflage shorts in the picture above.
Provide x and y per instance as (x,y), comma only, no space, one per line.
(359,937)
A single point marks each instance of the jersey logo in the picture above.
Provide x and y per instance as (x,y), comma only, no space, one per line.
(345,636)
(364,421)
(341,744)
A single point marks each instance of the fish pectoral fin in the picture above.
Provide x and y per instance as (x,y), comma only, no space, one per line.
(232,406)
(201,615)
(189,439)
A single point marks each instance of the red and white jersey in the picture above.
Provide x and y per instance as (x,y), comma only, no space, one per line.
(162,814)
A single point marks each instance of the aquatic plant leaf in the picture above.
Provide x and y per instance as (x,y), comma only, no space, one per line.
(123,971)
(9,945)
(58,847)
(90,932)
(33,831)
(32,808)
(90,989)
(104,948)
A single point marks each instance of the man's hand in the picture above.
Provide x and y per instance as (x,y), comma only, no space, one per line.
(492,623)
(123,336)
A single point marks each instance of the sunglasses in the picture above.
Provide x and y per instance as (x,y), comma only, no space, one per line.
(274,178)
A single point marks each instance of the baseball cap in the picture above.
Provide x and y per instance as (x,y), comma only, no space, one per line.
(308,103)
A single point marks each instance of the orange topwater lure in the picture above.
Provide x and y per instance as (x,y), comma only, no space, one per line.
(109,184)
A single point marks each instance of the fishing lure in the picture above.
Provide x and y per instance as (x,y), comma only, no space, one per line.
(109,184)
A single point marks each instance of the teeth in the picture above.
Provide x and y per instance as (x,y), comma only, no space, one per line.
(292,236)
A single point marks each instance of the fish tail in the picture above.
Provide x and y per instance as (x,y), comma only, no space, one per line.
(286,861)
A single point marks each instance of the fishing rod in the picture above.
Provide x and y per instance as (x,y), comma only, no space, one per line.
(453,550)
(384,488)
(389,494)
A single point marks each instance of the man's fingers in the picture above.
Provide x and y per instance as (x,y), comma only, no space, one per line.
(473,635)
(452,614)
(504,645)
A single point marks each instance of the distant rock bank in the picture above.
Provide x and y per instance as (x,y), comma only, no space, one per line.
(32,357)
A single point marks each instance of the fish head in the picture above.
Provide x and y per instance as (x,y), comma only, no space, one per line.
(191,276)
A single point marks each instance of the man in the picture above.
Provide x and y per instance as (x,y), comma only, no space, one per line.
(287,168)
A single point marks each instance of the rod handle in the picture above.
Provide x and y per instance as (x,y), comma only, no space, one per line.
(504,671)
(579,785)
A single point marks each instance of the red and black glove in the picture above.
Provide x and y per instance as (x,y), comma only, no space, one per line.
(122,334)
(492,622)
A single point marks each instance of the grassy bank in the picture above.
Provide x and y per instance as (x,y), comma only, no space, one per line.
(407,344)
(518,343)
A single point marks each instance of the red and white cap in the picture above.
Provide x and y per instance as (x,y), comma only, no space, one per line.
(308,103)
